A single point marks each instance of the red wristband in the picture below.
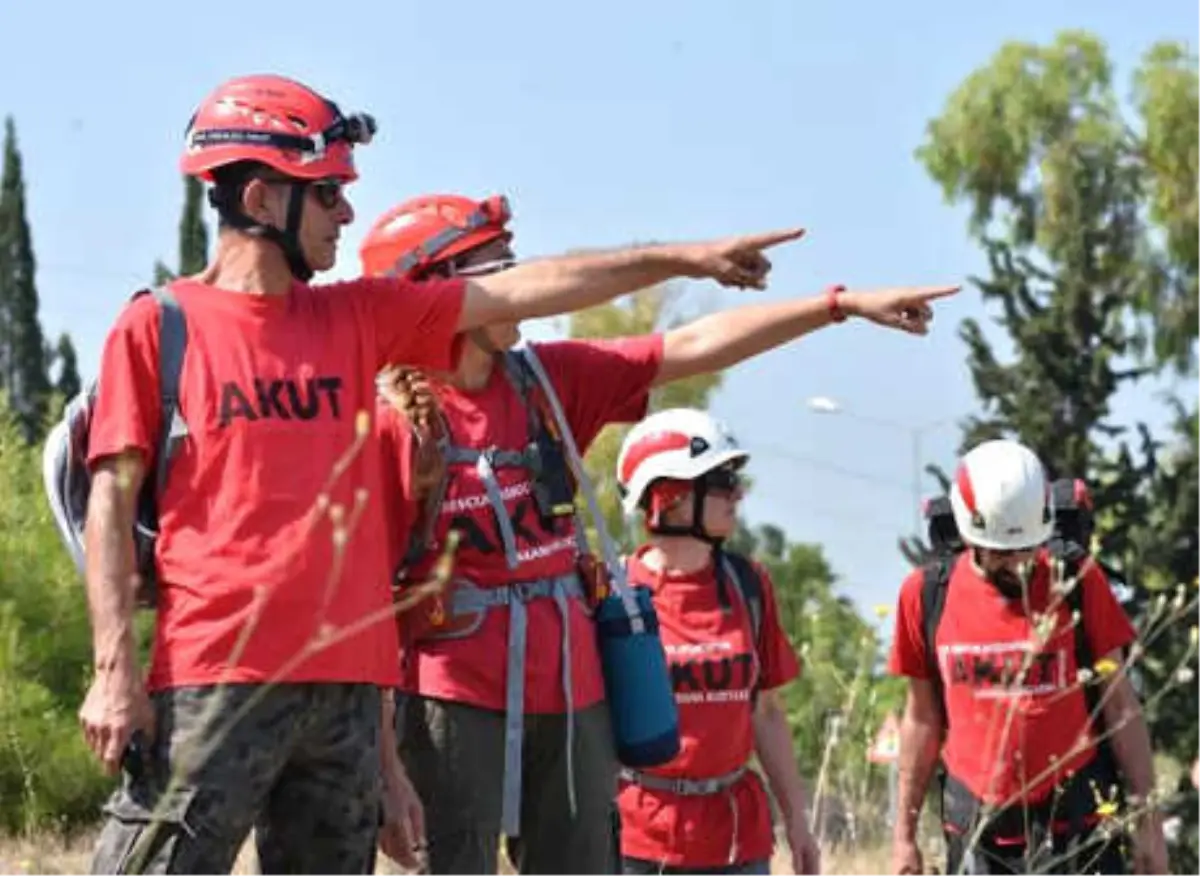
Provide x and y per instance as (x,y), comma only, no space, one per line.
(835,308)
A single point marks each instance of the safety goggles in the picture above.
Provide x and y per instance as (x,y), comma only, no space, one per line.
(492,266)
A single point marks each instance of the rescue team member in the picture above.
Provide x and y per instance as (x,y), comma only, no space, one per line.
(486,760)
(1014,711)
(706,811)
(276,379)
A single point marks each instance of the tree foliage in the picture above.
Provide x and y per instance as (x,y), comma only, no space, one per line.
(840,684)
(193,236)
(639,314)
(67,382)
(48,779)
(22,346)
(1089,222)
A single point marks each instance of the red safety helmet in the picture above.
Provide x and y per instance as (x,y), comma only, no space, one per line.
(275,121)
(413,237)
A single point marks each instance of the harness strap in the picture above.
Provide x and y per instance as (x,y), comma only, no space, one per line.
(473,600)
(683,786)
(686,787)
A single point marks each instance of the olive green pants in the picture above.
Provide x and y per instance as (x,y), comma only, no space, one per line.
(454,754)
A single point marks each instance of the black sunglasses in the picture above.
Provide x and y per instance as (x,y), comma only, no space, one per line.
(724,480)
(328,192)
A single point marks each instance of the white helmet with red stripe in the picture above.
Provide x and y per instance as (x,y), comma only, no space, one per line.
(677,444)
(1001,497)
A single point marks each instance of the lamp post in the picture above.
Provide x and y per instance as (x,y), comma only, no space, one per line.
(822,404)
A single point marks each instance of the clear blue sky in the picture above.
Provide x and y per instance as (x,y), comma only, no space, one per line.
(605,123)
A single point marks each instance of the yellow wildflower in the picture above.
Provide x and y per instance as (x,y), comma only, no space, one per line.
(1106,667)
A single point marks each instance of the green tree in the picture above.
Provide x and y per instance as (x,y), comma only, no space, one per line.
(1165,93)
(24,358)
(644,312)
(193,236)
(839,685)
(48,779)
(67,382)
(193,233)
(842,695)
(1089,222)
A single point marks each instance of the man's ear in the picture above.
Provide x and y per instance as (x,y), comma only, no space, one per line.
(259,202)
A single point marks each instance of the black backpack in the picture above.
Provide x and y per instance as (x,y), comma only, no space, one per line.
(1074,524)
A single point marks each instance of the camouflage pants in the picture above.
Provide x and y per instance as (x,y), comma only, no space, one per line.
(454,755)
(301,767)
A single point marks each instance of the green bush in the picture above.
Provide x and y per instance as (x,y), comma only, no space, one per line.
(48,779)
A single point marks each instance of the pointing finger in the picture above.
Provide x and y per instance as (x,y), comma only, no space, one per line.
(768,239)
(931,293)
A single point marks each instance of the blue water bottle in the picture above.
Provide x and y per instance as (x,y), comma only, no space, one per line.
(641,698)
(637,682)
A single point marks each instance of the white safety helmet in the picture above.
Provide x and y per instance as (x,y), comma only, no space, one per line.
(1001,497)
(677,444)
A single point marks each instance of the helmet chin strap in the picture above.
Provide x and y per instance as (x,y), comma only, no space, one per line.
(696,529)
(288,239)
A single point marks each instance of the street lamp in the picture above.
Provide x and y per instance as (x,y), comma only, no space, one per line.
(823,404)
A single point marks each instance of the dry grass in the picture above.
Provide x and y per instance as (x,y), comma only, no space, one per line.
(46,854)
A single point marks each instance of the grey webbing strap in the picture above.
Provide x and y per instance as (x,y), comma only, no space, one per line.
(685,787)
(616,569)
(487,474)
(514,701)
(682,786)
(172,340)
(455,453)
(515,596)
(486,462)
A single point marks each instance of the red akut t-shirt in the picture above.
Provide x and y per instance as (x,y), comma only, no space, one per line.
(274,390)
(597,382)
(714,663)
(1012,732)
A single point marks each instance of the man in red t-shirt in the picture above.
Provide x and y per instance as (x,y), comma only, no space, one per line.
(706,811)
(466,707)
(1017,733)
(262,706)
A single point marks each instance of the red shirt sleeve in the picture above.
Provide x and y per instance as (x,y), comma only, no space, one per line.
(412,323)
(399,508)
(602,381)
(127,413)
(1105,622)
(908,655)
(775,652)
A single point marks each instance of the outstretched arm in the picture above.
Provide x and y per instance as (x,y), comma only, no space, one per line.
(546,287)
(720,340)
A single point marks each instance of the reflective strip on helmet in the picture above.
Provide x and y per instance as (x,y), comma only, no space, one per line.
(493,211)
(358,129)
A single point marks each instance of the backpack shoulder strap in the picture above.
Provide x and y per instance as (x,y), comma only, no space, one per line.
(524,382)
(749,585)
(936,581)
(527,379)
(1073,557)
(172,342)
